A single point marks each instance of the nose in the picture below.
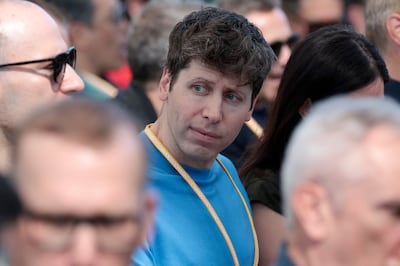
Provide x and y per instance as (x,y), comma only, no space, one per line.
(84,246)
(213,109)
(284,55)
(71,81)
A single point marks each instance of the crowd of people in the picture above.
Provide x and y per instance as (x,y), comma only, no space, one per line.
(194,132)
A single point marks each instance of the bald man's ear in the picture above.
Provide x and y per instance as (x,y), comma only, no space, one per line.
(312,210)
(393,27)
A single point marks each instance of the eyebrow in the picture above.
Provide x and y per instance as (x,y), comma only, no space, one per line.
(237,87)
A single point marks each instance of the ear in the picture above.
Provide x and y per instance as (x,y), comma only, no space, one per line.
(148,221)
(250,112)
(164,85)
(393,27)
(305,107)
(312,210)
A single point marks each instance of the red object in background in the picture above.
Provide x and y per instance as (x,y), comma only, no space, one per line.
(120,77)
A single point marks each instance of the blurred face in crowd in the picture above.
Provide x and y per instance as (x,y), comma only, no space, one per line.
(105,41)
(275,28)
(202,114)
(27,86)
(84,205)
(365,227)
(314,14)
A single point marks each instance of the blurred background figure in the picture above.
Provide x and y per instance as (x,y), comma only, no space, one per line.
(147,51)
(123,75)
(382,29)
(83,193)
(341,185)
(269,17)
(33,72)
(333,60)
(355,14)
(306,16)
(98,29)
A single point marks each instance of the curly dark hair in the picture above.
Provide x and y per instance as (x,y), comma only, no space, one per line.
(224,40)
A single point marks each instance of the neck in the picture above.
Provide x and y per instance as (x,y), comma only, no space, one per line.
(151,89)
(4,152)
(306,252)
(84,64)
(162,132)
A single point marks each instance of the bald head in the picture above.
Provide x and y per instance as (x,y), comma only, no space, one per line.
(22,25)
(28,33)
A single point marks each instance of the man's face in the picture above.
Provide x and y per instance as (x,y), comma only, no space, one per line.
(314,14)
(107,37)
(25,87)
(202,113)
(85,205)
(366,228)
(275,28)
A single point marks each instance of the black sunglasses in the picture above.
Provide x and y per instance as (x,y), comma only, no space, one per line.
(277,46)
(58,63)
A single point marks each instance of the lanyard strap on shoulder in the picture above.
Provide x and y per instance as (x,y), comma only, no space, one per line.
(170,158)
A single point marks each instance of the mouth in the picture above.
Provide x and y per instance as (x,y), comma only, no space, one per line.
(205,135)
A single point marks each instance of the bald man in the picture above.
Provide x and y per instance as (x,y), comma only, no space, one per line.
(36,66)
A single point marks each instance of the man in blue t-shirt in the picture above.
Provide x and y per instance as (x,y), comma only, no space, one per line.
(216,64)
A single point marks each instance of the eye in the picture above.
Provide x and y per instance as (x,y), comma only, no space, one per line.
(233,97)
(199,89)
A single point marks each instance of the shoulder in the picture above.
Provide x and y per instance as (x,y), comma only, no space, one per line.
(263,186)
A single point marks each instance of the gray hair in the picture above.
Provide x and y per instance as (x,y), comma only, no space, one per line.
(148,36)
(376,13)
(325,148)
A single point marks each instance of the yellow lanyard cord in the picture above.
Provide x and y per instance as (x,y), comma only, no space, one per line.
(255,127)
(169,157)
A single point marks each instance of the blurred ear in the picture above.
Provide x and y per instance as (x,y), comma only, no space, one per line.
(164,85)
(393,27)
(312,210)
(148,221)
(305,107)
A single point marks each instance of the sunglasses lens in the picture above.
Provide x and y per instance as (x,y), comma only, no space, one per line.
(60,63)
(276,47)
(59,67)
(71,57)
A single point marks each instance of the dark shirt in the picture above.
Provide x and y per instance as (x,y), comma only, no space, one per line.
(135,101)
(243,143)
(263,186)
(283,257)
(392,89)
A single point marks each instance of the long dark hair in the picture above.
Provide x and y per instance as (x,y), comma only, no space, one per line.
(333,60)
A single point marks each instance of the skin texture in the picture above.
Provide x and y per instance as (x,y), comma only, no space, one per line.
(26,87)
(215,108)
(70,178)
(275,27)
